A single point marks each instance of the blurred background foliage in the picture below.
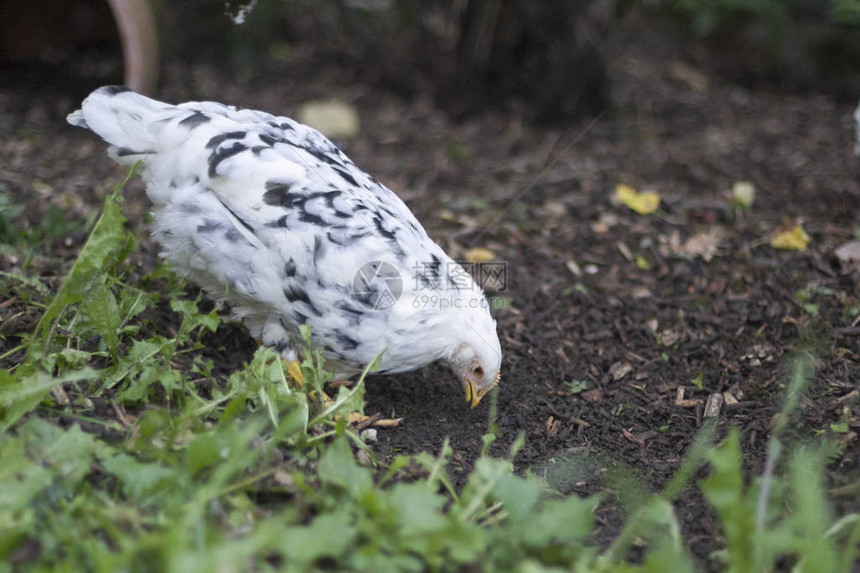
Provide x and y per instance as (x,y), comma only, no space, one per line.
(550,60)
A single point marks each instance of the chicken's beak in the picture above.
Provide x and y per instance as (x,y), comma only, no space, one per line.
(473,396)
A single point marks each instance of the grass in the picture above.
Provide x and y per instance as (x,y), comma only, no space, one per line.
(119,452)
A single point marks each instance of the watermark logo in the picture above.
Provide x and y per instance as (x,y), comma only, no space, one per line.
(458,276)
(377,285)
(493,275)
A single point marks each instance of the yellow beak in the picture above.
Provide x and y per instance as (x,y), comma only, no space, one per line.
(473,396)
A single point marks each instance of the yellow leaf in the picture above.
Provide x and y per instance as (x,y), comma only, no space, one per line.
(477,255)
(793,239)
(336,119)
(643,203)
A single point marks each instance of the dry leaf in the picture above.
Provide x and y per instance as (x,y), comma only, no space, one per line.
(573,267)
(643,203)
(792,239)
(704,244)
(619,370)
(593,395)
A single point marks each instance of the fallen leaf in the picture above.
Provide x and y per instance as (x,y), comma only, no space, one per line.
(652,325)
(41,188)
(477,255)
(599,228)
(574,268)
(606,221)
(792,239)
(333,117)
(640,292)
(643,203)
(619,370)
(668,337)
(593,395)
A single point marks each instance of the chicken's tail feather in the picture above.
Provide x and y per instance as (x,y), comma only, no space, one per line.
(125,119)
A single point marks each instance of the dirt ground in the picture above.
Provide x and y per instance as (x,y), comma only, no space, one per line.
(628,310)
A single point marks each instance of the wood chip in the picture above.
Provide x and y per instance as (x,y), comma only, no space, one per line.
(848,253)
(652,325)
(846,331)
(363,459)
(125,419)
(683,403)
(624,250)
(735,390)
(363,422)
(283,478)
(713,405)
(597,335)
(388,423)
(552,430)
(633,439)
(60,397)
(849,396)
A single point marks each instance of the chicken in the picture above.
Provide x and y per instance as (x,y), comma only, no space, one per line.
(268,215)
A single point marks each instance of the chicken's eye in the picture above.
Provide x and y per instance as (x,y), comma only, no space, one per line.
(477,370)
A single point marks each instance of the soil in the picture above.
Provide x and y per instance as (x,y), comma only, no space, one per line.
(611,315)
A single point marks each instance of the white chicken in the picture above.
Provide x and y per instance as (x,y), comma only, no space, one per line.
(267,214)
